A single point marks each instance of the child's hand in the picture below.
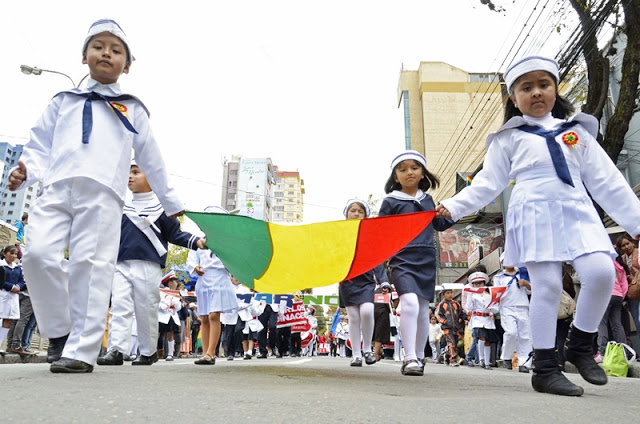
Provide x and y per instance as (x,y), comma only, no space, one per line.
(202,243)
(17,177)
(199,270)
(525,284)
(15,289)
(175,215)
(443,212)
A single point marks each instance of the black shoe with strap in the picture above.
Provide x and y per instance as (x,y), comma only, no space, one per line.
(579,351)
(113,357)
(56,346)
(547,377)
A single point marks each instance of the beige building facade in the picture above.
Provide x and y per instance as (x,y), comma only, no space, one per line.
(448,114)
(288,197)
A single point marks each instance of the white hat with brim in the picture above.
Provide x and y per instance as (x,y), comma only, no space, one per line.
(367,208)
(409,154)
(530,64)
(478,277)
(110,26)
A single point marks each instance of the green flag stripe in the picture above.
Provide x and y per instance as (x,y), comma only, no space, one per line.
(226,237)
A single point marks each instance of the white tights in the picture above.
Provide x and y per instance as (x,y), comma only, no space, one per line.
(414,325)
(360,324)
(597,276)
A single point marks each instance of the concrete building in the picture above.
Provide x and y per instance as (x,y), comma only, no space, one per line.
(288,207)
(13,203)
(247,187)
(448,114)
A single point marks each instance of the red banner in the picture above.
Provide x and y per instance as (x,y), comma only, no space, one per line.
(496,293)
(381,298)
(292,315)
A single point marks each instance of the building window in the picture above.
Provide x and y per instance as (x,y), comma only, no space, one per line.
(13,194)
(10,213)
(233,172)
(12,203)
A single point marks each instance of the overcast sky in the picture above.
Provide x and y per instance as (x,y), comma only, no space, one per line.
(312,85)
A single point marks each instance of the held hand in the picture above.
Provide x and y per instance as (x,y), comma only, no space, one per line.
(17,177)
(15,289)
(202,243)
(443,212)
(175,215)
(525,284)
(199,270)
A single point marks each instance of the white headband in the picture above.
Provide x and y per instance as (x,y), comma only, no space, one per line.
(367,209)
(111,26)
(409,154)
(530,64)
(478,277)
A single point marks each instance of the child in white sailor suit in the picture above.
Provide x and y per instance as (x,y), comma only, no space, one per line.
(215,294)
(482,317)
(551,219)
(80,150)
(168,316)
(145,231)
(248,312)
(514,315)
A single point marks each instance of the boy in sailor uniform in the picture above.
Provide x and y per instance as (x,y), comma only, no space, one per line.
(514,315)
(80,150)
(144,234)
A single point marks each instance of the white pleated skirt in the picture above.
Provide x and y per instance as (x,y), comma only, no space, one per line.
(215,294)
(549,221)
(9,305)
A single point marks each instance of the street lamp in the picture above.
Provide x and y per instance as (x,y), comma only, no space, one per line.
(34,70)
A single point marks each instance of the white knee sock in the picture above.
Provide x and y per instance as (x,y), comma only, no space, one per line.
(366,323)
(487,354)
(409,324)
(597,276)
(3,334)
(170,348)
(353,312)
(546,281)
(422,332)
(480,350)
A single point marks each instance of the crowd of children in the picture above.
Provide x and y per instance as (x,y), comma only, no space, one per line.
(80,151)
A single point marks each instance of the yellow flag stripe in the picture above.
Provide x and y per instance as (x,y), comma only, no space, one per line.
(305,255)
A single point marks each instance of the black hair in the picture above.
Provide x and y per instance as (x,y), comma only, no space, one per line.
(429,181)
(25,216)
(562,109)
(621,262)
(624,237)
(9,249)
(477,268)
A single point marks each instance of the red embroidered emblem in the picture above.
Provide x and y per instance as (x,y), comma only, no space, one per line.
(571,139)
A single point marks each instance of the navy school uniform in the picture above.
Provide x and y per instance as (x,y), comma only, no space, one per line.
(413,269)
(361,289)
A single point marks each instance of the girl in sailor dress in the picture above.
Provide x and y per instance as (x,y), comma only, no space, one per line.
(11,284)
(482,317)
(215,294)
(551,219)
(168,316)
(413,269)
(357,296)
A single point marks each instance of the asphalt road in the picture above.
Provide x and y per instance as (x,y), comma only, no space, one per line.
(317,390)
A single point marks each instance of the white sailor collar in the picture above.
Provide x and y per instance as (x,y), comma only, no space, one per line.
(397,194)
(589,123)
(3,262)
(104,89)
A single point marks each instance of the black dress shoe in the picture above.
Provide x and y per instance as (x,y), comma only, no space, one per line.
(113,357)
(56,346)
(146,360)
(262,356)
(70,366)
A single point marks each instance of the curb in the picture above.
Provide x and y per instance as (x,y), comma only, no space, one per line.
(12,358)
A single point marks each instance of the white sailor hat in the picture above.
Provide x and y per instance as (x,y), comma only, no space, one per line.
(409,154)
(216,209)
(478,277)
(171,275)
(530,64)
(111,26)
(367,209)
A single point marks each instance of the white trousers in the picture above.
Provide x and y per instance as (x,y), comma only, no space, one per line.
(72,297)
(135,289)
(517,333)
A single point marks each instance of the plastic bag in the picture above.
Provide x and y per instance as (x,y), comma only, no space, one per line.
(616,359)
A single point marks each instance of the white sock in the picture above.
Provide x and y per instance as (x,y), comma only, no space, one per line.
(3,334)
(353,312)
(597,277)
(367,323)
(422,332)
(409,324)
(480,351)
(170,347)
(487,354)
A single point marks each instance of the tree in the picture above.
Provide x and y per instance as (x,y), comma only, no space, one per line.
(593,15)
